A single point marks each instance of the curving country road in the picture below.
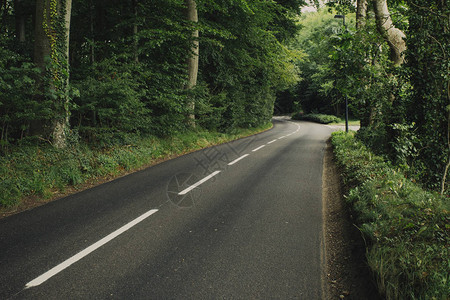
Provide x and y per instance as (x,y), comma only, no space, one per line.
(241,220)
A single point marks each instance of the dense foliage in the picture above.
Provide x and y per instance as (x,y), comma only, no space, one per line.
(43,171)
(314,91)
(406,229)
(428,105)
(128,91)
(403,108)
(128,69)
(318,118)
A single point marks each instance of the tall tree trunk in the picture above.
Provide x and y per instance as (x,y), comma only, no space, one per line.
(361,21)
(135,32)
(41,42)
(192,16)
(92,12)
(393,36)
(100,22)
(361,14)
(20,20)
(52,42)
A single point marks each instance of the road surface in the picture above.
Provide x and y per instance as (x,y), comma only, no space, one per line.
(241,220)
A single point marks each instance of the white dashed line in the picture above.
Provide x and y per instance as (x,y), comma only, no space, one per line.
(47,275)
(185,191)
(238,159)
(254,150)
(65,264)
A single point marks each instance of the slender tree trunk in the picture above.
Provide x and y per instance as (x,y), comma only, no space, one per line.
(135,32)
(41,51)
(192,15)
(361,14)
(92,12)
(100,25)
(393,36)
(41,42)
(361,20)
(20,20)
(61,124)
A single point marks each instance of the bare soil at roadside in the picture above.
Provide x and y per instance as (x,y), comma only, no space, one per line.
(347,273)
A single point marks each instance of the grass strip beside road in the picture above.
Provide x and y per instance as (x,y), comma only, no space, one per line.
(407,229)
(32,175)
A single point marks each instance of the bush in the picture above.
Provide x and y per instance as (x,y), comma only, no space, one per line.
(406,228)
(41,170)
(318,118)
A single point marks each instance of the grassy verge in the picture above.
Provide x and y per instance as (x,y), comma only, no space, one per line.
(44,171)
(318,118)
(407,229)
(350,122)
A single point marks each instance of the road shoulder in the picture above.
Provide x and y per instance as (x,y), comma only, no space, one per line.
(347,275)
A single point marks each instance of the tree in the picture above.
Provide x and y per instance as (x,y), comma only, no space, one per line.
(51,53)
(135,31)
(393,36)
(428,105)
(20,20)
(136,63)
(192,62)
(361,14)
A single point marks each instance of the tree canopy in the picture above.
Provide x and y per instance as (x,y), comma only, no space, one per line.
(125,71)
(127,67)
(391,62)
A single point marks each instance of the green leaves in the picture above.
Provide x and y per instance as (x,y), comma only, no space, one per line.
(404,226)
(128,64)
(428,69)
(250,64)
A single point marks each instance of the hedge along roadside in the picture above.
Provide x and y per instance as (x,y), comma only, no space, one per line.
(318,118)
(407,229)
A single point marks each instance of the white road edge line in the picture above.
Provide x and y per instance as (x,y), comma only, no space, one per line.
(254,150)
(65,264)
(185,191)
(271,142)
(281,137)
(238,159)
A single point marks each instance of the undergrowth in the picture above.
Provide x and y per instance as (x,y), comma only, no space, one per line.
(43,170)
(406,228)
(318,118)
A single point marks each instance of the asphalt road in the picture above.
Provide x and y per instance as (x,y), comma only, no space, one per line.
(241,220)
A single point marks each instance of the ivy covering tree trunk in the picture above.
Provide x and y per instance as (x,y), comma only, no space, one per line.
(51,52)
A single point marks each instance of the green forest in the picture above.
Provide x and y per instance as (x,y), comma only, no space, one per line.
(97,74)
(84,83)
(95,89)
(132,68)
(391,62)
